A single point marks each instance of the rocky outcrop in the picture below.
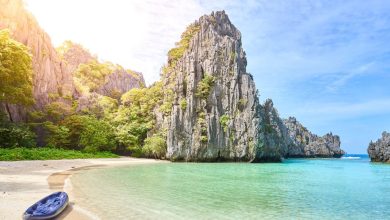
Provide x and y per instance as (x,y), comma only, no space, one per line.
(121,81)
(74,54)
(53,70)
(50,73)
(216,114)
(306,144)
(273,137)
(379,151)
(115,83)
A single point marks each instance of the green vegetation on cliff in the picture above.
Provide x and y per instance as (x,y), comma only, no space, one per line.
(176,53)
(86,123)
(205,86)
(92,75)
(15,72)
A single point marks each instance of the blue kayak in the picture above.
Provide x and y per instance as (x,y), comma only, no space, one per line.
(48,207)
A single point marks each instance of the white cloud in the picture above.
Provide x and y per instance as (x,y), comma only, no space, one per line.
(343,78)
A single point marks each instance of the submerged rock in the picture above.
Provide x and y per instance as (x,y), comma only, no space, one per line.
(379,151)
(306,144)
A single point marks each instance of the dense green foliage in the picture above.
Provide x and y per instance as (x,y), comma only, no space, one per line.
(85,121)
(16,135)
(135,117)
(97,135)
(48,154)
(81,132)
(205,86)
(104,124)
(15,71)
(155,147)
(91,76)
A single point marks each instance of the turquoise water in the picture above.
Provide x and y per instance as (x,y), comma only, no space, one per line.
(350,188)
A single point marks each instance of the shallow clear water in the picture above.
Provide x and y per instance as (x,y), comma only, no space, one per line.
(349,188)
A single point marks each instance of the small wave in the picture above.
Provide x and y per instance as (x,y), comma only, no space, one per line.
(351,158)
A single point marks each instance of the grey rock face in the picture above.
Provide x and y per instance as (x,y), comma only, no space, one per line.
(116,83)
(306,144)
(228,123)
(53,72)
(50,74)
(379,151)
(121,81)
(76,55)
(273,140)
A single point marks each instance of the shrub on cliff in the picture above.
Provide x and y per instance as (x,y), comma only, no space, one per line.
(204,87)
(176,53)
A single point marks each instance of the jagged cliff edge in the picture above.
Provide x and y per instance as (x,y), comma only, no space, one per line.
(222,119)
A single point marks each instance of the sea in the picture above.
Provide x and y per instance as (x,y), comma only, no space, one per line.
(350,187)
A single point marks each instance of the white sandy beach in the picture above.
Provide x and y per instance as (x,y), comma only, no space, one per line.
(22,183)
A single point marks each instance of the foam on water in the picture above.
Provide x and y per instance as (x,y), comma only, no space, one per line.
(350,158)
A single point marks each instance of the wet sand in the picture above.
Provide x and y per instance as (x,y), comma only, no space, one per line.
(22,183)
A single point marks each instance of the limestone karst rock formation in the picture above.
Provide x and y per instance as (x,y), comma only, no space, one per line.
(211,109)
(222,118)
(216,114)
(306,144)
(118,81)
(50,74)
(379,151)
(53,70)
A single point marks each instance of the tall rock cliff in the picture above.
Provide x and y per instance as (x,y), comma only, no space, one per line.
(306,144)
(216,114)
(53,79)
(211,109)
(379,151)
(50,74)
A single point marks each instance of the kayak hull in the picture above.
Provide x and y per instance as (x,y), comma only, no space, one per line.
(48,207)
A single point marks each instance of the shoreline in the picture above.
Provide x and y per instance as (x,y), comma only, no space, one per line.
(22,183)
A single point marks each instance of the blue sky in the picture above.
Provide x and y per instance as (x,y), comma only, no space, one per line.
(325,62)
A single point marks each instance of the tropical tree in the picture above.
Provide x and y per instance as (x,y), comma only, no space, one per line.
(15,72)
